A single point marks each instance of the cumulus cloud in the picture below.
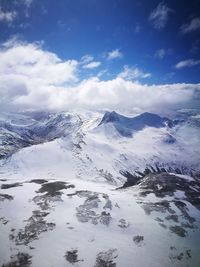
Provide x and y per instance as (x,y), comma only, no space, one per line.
(191,26)
(29,60)
(119,94)
(159,16)
(7,16)
(187,63)
(114,54)
(92,65)
(33,78)
(28,72)
(86,59)
(133,73)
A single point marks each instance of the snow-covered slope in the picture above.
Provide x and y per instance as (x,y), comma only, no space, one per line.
(92,148)
(97,150)
(83,193)
(22,130)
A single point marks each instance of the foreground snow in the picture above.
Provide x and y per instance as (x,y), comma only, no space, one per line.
(92,218)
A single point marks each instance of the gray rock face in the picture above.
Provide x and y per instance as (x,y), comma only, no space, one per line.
(19,260)
(89,211)
(138,240)
(106,258)
(72,256)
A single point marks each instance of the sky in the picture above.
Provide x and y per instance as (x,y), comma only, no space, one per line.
(58,53)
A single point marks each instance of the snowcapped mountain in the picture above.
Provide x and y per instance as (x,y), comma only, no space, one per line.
(99,177)
(125,125)
(109,142)
(22,130)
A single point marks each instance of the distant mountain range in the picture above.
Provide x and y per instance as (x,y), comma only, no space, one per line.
(148,139)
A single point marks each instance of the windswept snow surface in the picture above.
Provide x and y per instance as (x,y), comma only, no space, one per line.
(63,199)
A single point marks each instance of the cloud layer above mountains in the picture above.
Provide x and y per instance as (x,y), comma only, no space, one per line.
(33,78)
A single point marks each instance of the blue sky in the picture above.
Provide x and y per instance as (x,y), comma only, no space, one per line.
(99,54)
(152,36)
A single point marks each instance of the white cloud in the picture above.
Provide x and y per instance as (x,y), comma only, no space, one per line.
(114,54)
(33,78)
(187,63)
(160,53)
(28,72)
(86,59)
(159,16)
(92,65)
(133,73)
(102,72)
(10,16)
(192,26)
(119,94)
(27,60)
(6,16)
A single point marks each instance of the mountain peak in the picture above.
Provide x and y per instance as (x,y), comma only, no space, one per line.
(126,125)
(110,117)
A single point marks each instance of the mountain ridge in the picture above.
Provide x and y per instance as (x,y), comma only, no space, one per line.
(127,125)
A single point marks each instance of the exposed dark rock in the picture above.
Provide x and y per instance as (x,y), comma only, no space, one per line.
(163,225)
(54,188)
(172,217)
(52,193)
(105,218)
(106,258)
(138,240)
(107,176)
(180,231)
(19,260)
(162,206)
(34,227)
(38,181)
(189,225)
(162,184)
(72,256)
(174,256)
(4,220)
(188,254)
(108,204)
(184,210)
(123,223)
(160,181)
(6,197)
(159,220)
(40,214)
(131,179)
(7,186)
(87,212)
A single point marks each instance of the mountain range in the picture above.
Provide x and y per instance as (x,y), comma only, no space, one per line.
(99,189)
